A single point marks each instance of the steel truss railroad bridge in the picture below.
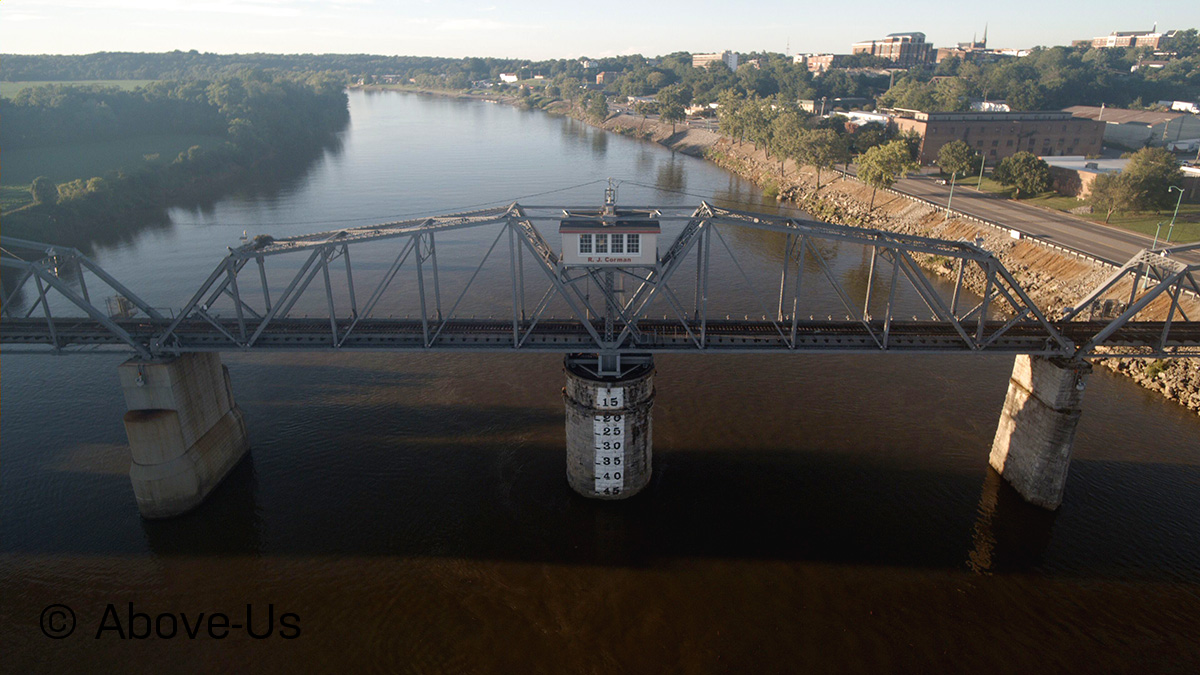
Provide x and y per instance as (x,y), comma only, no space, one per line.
(624,302)
(611,310)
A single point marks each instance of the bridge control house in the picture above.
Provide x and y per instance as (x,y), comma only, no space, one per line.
(610,237)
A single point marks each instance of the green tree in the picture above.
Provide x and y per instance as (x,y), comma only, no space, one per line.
(952,95)
(570,89)
(912,141)
(910,93)
(671,101)
(757,115)
(787,136)
(44,191)
(1027,95)
(1025,171)
(729,114)
(643,108)
(1152,171)
(676,93)
(883,165)
(671,112)
(957,157)
(597,107)
(1113,192)
(868,136)
(823,149)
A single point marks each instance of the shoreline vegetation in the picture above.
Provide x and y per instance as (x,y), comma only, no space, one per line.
(1053,279)
(253,128)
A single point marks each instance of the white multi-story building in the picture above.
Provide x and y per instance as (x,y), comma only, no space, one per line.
(704,60)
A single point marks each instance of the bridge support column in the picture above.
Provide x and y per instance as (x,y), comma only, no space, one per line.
(1032,448)
(609,437)
(185,431)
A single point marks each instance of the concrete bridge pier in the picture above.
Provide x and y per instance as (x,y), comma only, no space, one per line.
(609,437)
(185,431)
(1032,448)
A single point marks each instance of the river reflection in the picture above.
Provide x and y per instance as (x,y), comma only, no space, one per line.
(823,513)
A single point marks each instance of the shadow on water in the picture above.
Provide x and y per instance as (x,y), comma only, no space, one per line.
(228,524)
(283,175)
(671,176)
(442,495)
(599,143)
(1010,534)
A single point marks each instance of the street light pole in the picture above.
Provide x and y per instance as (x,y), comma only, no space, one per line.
(950,200)
(1177,201)
(1157,229)
(982,163)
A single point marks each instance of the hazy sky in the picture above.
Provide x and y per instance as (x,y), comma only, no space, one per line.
(562,29)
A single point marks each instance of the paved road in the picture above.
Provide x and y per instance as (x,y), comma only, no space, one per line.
(1110,243)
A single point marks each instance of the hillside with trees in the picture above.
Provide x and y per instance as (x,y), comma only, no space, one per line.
(260,124)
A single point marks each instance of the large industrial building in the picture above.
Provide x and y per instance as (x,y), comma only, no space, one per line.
(1133,129)
(997,135)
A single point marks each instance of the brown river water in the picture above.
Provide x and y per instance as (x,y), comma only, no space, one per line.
(410,512)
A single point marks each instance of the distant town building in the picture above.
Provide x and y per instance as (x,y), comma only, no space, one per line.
(1149,64)
(588,63)
(859,118)
(998,135)
(975,50)
(1151,39)
(1130,38)
(1133,129)
(990,106)
(508,77)
(607,77)
(824,105)
(905,49)
(704,60)
(819,63)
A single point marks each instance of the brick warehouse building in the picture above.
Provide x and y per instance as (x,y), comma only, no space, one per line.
(998,135)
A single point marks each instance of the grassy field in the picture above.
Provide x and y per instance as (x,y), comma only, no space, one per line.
(68,162)
(14,197)
(1187,224)
(10,89)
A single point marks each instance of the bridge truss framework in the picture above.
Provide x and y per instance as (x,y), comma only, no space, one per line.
(237,309)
